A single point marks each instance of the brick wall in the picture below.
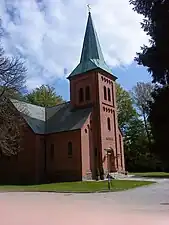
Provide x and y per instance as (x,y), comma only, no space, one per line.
(21,168)
(60,165)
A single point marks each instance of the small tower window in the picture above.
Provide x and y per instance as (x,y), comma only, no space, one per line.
(69,149)
(108,124)
(109,95)
(81,95)
(105,93)
(87,93)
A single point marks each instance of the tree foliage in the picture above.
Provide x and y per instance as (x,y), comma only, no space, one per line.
(44,96)
(137,153)
(135,145)
(156,22)
(125,107)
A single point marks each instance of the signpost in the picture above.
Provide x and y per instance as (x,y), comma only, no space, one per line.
(108,153)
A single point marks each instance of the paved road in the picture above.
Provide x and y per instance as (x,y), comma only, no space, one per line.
(144,204)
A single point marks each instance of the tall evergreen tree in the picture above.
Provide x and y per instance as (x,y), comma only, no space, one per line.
(156,22)
(156,58)
(159,120)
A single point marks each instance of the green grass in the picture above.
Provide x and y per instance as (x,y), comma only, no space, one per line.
(90,186)
(152,174)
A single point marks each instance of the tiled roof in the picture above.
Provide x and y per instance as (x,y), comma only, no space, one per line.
(65,118)
(52,119)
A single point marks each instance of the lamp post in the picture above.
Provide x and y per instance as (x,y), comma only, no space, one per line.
(108,153)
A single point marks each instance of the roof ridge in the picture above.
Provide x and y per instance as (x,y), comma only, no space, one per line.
(12,99)
(44,107)
(47,107)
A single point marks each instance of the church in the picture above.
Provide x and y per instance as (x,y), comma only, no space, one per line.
(77,140)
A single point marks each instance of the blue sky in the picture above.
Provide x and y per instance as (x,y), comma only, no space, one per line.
(48,34)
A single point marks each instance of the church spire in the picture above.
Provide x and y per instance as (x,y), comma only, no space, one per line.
(91,46)
(91,56)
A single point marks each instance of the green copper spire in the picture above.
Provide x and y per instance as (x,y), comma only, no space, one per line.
(91,46)
(91,56)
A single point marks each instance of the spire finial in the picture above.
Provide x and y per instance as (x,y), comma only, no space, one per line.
(89,8)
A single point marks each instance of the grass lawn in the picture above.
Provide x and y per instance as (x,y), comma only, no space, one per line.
(152,174)
(90,186)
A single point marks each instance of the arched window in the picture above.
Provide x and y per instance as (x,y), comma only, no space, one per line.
(81,96)
(105,93)
(95,151)
(69,149)
(87,93)
(52,149)
(108,124)
(113,94)
(109,95)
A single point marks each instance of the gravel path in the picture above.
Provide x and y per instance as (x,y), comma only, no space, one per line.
(144,205)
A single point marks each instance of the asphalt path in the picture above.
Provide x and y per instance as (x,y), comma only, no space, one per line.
(144,205)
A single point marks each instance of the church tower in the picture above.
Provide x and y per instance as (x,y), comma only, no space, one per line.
(92,84)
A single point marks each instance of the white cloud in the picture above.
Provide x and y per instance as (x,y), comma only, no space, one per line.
(49,34)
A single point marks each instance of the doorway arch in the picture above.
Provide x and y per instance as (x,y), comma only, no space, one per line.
(111,167)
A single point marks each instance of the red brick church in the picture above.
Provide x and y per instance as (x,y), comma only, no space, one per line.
(75,140)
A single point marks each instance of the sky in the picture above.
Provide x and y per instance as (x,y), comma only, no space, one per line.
(48,35)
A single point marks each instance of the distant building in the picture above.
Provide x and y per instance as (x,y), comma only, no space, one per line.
(75,140)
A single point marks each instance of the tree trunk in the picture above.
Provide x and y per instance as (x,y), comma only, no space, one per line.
(146,129)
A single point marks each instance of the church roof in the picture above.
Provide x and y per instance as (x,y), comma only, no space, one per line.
(91,56)
(52,119)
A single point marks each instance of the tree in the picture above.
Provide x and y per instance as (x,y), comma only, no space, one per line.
(156,22)
(130,125)
(44,96)
(159,120)
(142,95)
(12,79)
(10,129)
(12,75)
(12,93)
(156,58)
(138,157)
(136,146)
(125,107)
